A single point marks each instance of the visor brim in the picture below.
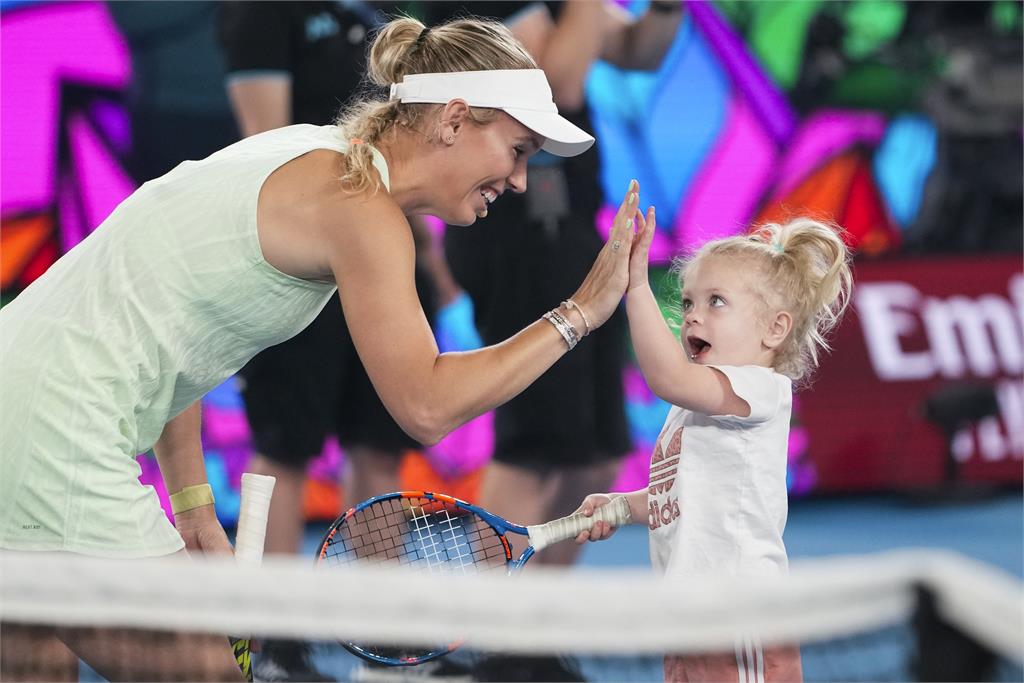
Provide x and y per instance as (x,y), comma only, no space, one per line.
(561,137)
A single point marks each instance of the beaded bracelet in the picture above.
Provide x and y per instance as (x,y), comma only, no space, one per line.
(568,332)
(569,305)
(565,328)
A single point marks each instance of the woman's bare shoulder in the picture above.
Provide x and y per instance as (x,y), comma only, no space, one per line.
(305,215)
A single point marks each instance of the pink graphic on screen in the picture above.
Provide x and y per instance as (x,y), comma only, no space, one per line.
(102,183)
(46,50)
(726,191)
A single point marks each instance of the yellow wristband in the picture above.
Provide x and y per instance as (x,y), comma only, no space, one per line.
(191,497)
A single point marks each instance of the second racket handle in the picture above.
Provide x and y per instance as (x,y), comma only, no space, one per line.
(257,490)
(616,513)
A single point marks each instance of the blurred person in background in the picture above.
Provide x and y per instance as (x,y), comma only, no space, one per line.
(176,101)
(567,433)
(299,62)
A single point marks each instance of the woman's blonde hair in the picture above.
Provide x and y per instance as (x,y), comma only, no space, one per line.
(806,271)
(405,46)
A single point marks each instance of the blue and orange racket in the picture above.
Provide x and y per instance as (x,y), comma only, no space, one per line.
(442,535)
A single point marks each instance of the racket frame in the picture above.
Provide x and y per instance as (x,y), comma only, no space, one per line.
(500,525)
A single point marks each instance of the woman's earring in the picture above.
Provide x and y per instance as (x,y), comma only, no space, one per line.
(450,139)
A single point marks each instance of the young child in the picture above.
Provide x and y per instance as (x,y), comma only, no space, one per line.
(756,310)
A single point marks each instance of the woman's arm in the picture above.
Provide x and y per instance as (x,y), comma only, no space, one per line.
(179,453)
(261,103)
(640,43)
(565,46)
(428,393)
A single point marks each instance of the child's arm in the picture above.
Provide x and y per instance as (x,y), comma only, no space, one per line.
(637,511)
(670,375)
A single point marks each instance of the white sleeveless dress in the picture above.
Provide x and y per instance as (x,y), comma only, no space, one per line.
(169,297)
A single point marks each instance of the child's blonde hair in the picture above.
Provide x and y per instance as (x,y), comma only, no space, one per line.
(806,267)
(405,46)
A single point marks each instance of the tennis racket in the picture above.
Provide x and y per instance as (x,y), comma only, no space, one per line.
(253,510)
(439,534)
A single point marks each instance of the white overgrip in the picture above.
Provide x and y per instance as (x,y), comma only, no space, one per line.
(254,509)
(615,513)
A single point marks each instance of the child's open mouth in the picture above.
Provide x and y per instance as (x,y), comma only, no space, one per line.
(696,348)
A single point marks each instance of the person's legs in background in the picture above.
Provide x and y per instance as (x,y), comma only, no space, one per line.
(564,436)
(369,472)
(286,522)
(534,496)
(373,442)
(291,392)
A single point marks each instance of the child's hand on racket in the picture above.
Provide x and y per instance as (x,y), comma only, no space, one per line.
(202,532)
(602,290)
(639,254)
(601,530)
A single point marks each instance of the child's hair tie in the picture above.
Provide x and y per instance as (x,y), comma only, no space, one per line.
(777,247)
(355,141)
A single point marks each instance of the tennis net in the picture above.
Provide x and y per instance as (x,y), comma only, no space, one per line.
(899,616)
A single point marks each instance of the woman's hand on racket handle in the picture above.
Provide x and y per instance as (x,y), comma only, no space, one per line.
(202,532)
(639,255)
(600,530)
(605,284)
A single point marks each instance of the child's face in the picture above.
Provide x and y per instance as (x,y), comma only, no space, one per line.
(722,314)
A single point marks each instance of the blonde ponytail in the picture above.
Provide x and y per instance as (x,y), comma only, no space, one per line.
(405,46)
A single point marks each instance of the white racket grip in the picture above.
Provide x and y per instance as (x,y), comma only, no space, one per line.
(615,513)
(252,517)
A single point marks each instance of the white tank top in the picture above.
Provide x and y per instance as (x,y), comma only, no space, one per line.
(168,297)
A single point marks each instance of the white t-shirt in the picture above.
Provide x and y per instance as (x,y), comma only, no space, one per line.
(717,498)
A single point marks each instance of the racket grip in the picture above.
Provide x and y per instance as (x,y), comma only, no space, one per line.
(254,509)
(252,518)
(616,513)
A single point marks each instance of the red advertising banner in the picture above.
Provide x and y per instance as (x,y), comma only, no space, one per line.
(924,384)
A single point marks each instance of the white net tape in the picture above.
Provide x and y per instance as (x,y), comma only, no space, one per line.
(540,611)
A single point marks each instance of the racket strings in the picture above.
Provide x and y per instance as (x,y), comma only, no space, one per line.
(431,535)
(437,536)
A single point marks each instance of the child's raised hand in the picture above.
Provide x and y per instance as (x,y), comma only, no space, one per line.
(640,252)
(601,530)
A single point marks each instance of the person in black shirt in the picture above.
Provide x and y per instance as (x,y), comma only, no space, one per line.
(298,62)
(567,431)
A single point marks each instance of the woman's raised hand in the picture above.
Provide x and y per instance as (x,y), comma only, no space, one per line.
(640,252)
(608,278)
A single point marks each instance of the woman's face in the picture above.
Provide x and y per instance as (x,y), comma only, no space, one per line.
(484,162)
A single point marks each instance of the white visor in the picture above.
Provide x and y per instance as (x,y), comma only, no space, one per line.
(523,94)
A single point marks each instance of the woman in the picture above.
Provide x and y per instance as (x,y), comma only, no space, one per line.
(108,354)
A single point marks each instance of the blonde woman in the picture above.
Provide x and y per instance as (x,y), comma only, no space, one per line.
(108,353)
